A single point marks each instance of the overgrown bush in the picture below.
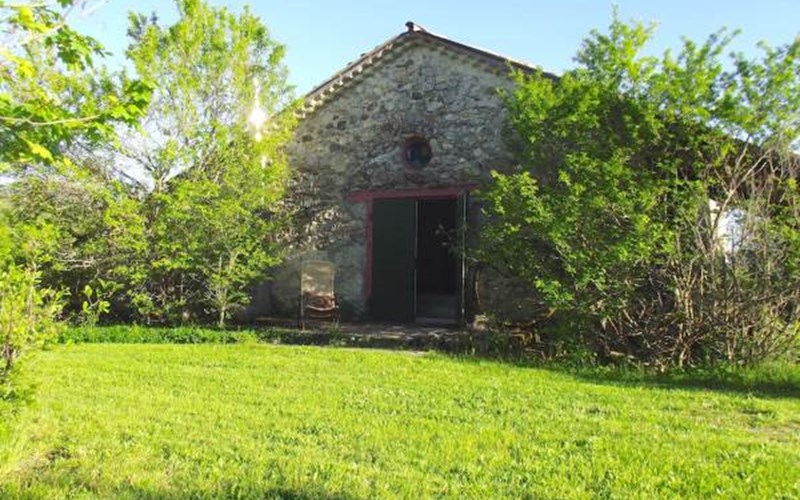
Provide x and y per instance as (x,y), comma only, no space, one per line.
(28,314)
(100,240)
(213,173)
(176,221)
(154,335)
(52,99)
(656,201)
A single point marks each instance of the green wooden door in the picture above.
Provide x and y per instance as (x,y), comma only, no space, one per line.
(394,242)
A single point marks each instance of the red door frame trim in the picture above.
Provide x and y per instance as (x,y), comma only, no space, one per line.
(423,193)
(368,197)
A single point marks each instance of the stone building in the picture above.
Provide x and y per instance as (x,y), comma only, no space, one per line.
(384,160)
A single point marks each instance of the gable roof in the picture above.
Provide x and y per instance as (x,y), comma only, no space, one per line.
(414,35)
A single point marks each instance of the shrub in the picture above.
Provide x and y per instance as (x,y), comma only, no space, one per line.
(656,202)
(27,314)
(155,335)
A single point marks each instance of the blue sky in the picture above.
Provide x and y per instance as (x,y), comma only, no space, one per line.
(322,36)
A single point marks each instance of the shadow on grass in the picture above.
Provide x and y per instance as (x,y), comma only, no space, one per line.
(768,380)
(777,380)
(717,383)
(268,493)
(44,489)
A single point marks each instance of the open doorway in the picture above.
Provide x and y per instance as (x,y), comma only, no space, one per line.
(437,265)
(415,272)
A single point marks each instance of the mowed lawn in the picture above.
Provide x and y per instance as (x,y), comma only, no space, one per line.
(131,421)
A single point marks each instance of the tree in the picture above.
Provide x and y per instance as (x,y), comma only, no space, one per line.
(175,221)
(608,218)
(28,312)
(51,93)
(211,185)
(51,97)
(100,232)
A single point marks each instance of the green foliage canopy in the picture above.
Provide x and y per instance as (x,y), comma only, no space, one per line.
(52,96)
(177,220)
(214,188)
(51,92)
(632,171)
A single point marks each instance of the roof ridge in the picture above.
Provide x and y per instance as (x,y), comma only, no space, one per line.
(317,95)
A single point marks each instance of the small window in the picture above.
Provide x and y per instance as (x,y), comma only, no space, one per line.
(417,152)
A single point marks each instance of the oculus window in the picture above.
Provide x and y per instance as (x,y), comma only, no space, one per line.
(417,152)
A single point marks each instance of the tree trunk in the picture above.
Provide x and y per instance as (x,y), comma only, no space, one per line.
(221,320)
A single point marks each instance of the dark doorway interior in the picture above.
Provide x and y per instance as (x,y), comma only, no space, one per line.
(437,265)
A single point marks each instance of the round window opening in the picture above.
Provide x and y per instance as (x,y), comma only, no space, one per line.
(417,152)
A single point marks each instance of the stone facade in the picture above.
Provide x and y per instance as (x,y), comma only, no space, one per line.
(351,141)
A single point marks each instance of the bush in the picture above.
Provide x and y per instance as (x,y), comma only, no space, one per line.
(155,335)
(27,314)
(656,203)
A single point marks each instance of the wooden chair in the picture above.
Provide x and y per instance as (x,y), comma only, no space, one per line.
(317,294)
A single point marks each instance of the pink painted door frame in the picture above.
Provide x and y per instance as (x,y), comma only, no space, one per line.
(368,197)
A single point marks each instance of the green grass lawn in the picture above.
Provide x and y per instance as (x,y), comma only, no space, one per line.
(256,420)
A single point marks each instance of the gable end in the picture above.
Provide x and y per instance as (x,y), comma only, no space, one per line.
(415,35)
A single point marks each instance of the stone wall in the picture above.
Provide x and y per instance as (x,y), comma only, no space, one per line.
(354,143)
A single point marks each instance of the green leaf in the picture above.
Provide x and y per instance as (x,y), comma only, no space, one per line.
(39,151)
